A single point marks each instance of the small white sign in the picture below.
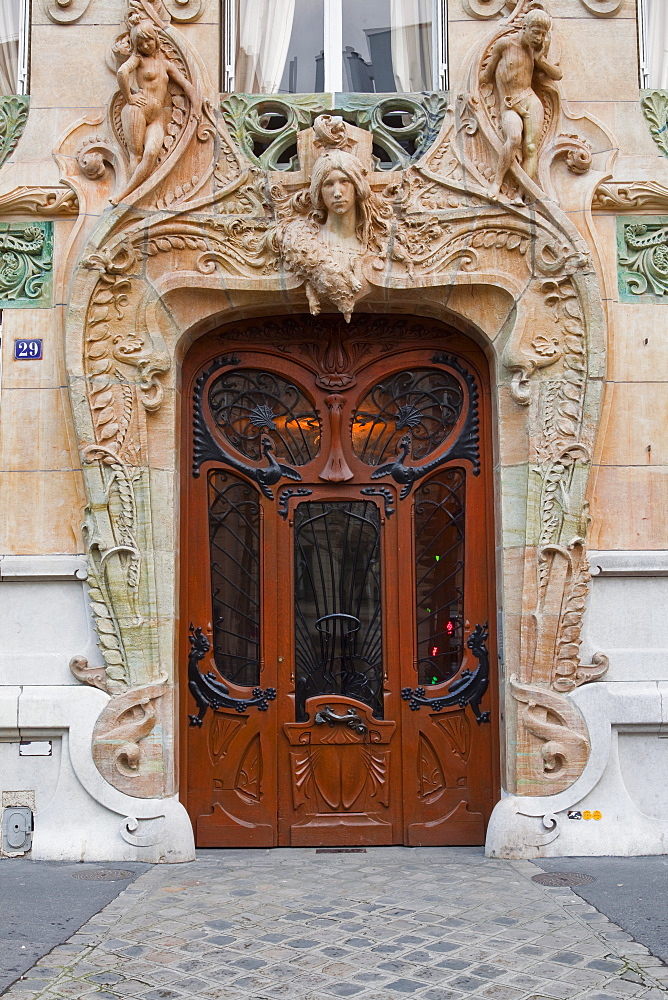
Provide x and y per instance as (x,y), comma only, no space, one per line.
(35,748)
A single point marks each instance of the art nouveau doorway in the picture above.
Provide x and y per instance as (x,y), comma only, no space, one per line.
(337,585)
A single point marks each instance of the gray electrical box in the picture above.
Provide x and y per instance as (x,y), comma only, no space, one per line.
(16,829)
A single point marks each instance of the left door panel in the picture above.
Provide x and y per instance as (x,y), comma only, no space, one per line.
(231,733)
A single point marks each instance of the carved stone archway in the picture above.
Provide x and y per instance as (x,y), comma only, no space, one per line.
(209,237)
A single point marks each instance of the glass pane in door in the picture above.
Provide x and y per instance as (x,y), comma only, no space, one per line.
(439,571)
(387,46)
(338,611)
(234,545)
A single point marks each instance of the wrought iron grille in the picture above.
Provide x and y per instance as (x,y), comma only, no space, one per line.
(338,611)
(439,565)
(424,402)
(246,404)
(234,545)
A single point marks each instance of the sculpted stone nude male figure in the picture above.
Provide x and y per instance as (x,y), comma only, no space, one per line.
(514,60)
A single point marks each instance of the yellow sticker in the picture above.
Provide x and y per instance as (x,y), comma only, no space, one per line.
(586,814)
(597,814)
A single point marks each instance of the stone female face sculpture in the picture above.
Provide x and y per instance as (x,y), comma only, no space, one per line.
(339,188)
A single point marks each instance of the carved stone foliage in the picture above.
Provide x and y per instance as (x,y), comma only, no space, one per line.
(475,208)
(26,264)
(57,202)
(403,126)
(630,196)
(654,104)
(642,246)
(13,118)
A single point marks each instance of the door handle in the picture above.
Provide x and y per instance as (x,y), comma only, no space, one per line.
(350,719)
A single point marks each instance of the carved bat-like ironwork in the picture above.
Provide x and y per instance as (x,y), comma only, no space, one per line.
(209,691)
(468,689)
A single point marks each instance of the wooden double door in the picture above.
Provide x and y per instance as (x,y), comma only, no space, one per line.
(338,676)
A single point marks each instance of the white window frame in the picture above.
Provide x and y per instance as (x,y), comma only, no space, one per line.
(333,45)
(24,47)
(642,44)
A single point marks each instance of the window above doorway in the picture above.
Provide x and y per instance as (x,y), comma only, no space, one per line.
(653,36)
(13,47)
(316,46)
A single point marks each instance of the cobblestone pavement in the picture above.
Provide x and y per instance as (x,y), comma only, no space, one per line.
(391,923)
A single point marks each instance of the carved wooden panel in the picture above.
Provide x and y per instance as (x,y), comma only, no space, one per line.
(335,745)
(343,775)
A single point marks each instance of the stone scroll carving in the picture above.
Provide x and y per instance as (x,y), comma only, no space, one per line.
(66,11)
(486,9)
(125,749)
(335,235)
(642,248)
(552,737)
(630,196)
(26,264)
(70,11)
(56,202)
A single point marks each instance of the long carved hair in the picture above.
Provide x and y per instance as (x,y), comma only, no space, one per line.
(370,212)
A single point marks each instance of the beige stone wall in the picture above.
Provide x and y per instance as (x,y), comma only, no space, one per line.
(42,496)
(42,493)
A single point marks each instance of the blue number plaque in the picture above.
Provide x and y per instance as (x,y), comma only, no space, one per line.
(27,350)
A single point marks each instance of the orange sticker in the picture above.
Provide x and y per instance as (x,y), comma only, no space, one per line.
(586,814)
(597,814)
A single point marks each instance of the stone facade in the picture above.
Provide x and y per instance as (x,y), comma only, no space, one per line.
(531,217)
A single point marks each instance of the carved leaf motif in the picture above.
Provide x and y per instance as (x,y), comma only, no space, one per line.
(222,731)
(430,773)
(302,777)
(249,776)
(457,730)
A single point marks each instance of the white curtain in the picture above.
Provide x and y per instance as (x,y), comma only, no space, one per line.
(656,43)
(412,44)
(263,39)
(10,17)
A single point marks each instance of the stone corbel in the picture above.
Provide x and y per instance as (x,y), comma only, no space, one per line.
(630,196)
(47,202)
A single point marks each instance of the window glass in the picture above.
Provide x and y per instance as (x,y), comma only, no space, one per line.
(10,21)
(654,15)
(439,575)
(234,539)
(279,46)
(338,609)
(387,46)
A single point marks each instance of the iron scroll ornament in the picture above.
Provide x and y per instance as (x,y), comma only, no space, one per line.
(466,446)
(468,689)
(206,448)
(209,691)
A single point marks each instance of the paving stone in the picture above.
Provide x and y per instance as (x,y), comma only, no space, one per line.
(378,930)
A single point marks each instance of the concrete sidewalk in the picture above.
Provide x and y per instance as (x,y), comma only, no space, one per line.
(434,924)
